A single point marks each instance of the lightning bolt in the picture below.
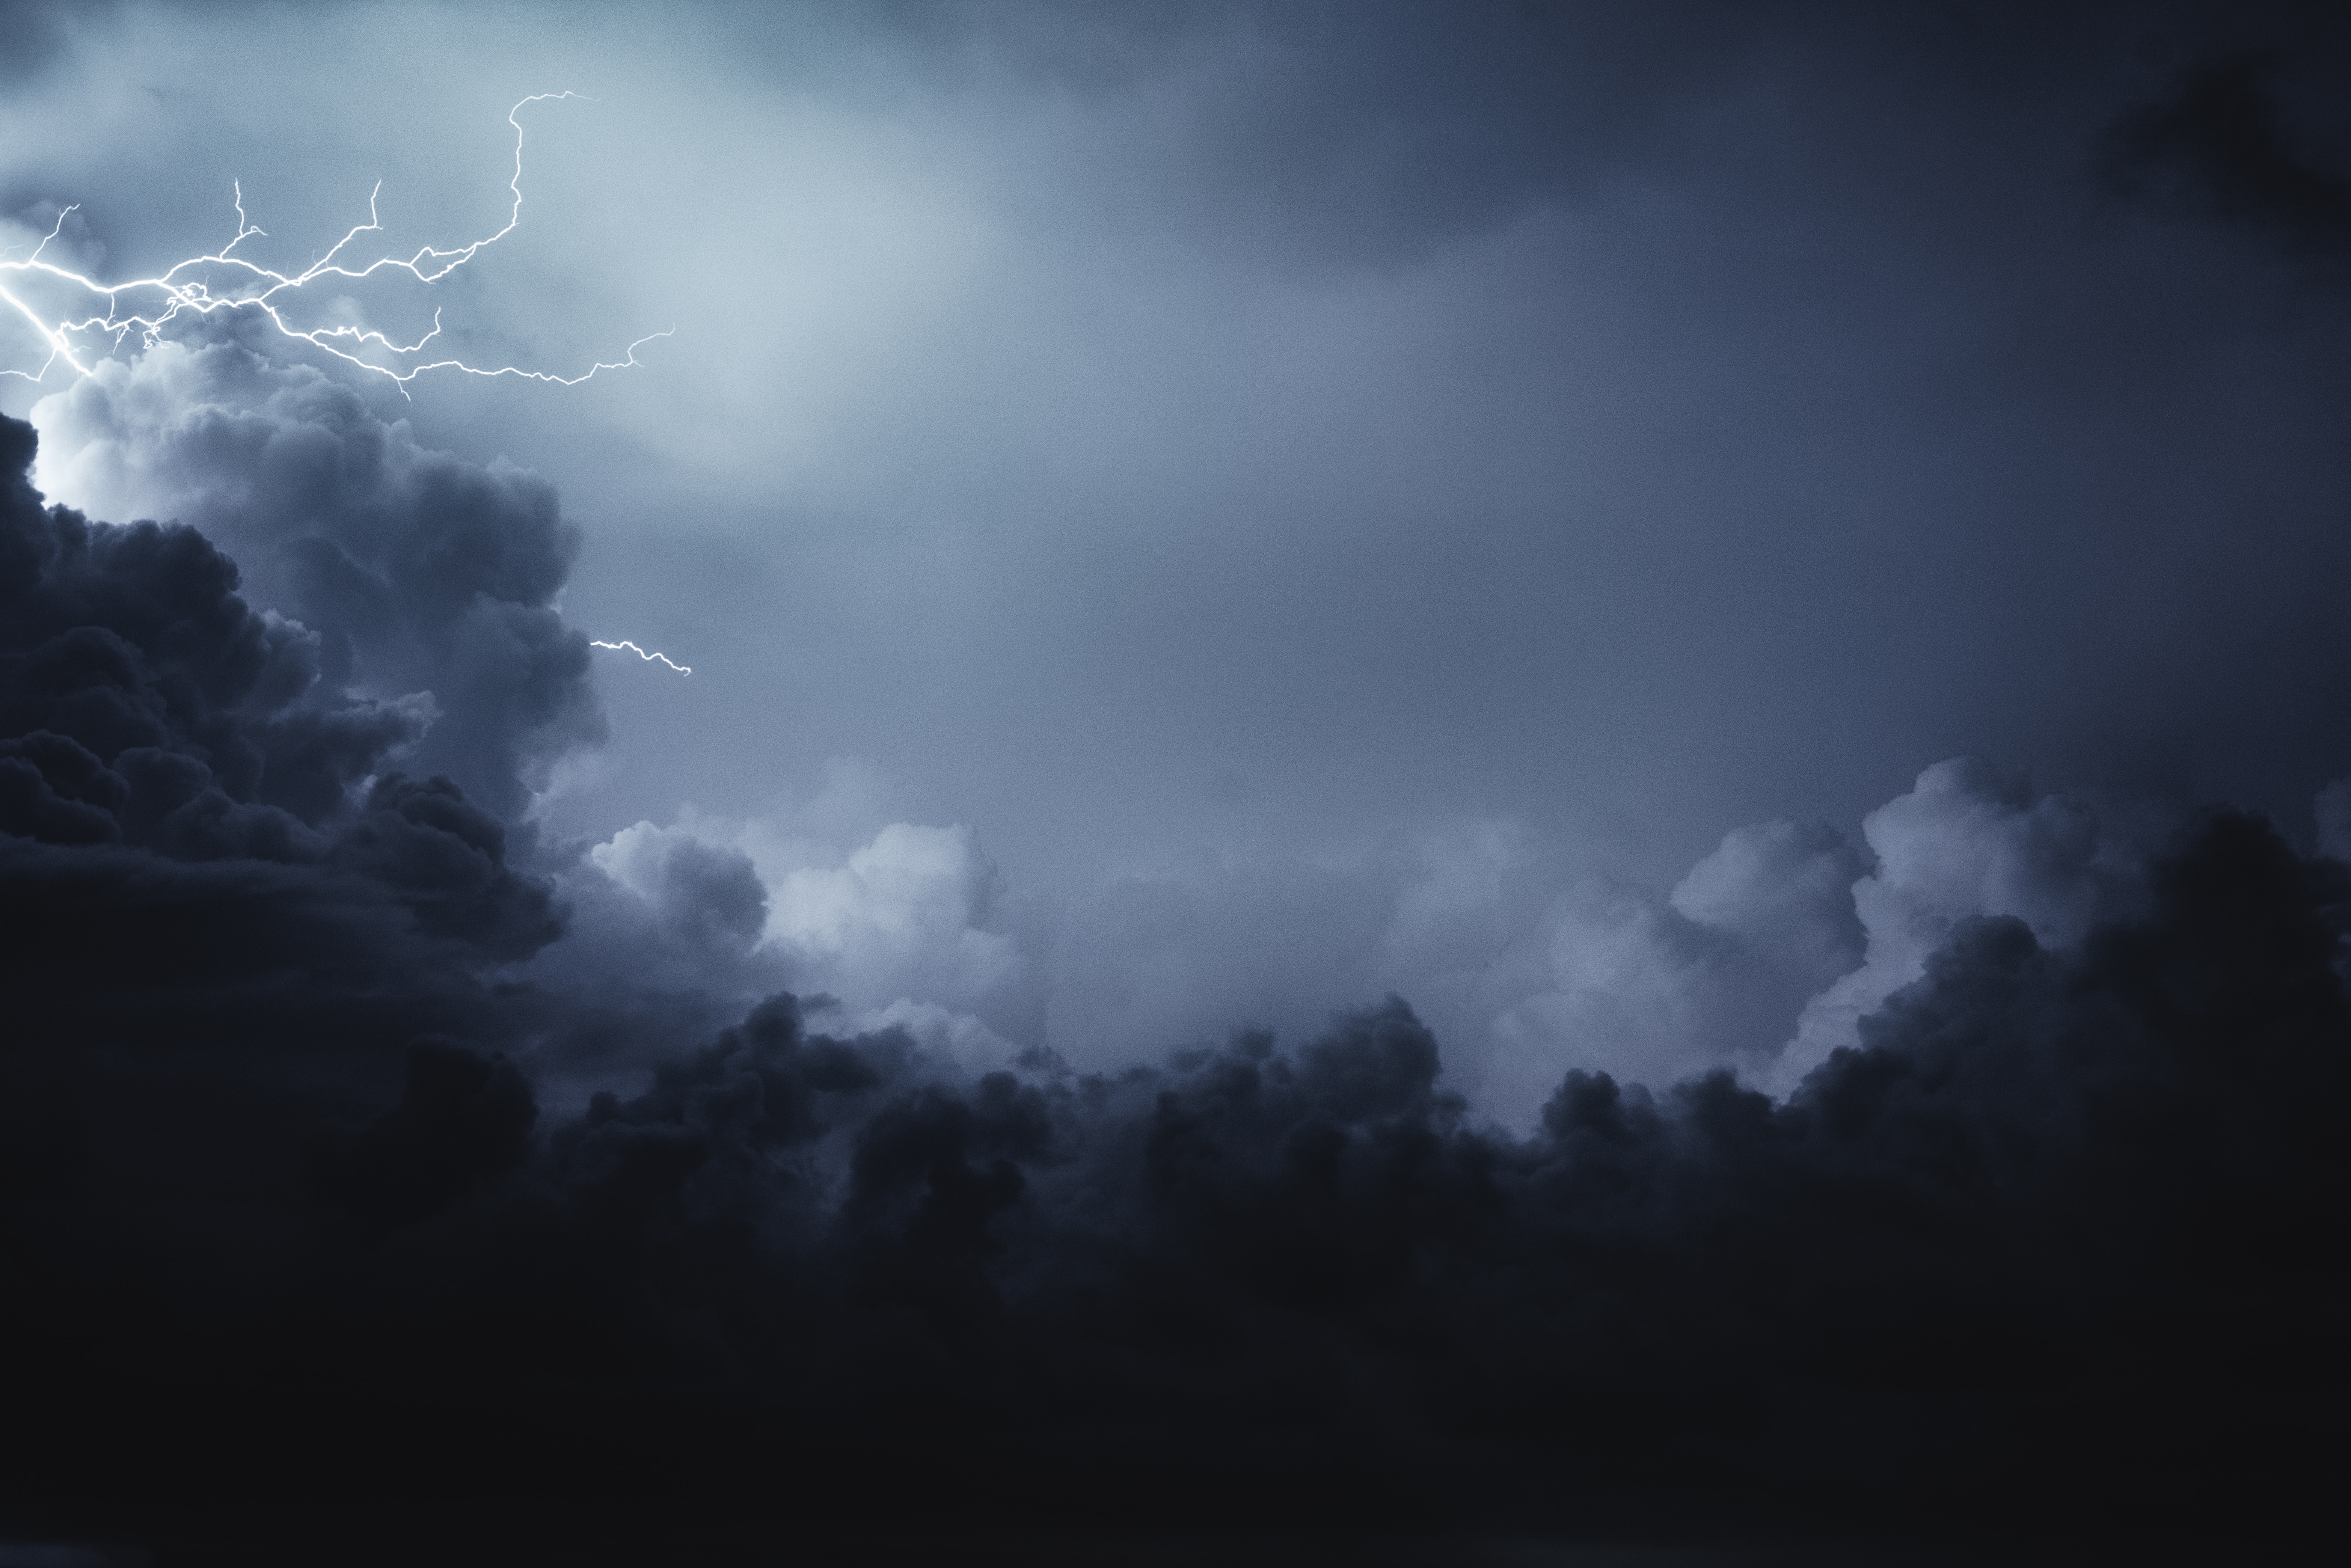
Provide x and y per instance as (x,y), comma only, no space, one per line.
(648,658)
(147,305)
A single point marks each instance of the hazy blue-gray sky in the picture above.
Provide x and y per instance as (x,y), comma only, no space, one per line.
(1282,503)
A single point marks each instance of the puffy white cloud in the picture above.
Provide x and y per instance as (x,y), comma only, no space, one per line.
(901,931)
(1761,958)
(1615,979)
(706,894)
(906,916)
(1971,839)
(1767,954)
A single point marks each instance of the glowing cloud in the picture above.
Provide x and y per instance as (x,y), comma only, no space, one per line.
(189,288)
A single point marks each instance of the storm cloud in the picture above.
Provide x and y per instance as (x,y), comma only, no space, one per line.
(272,1147)
(427,572)
(1454,780)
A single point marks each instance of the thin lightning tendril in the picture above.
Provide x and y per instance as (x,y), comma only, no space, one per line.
(260,288)
(648,658)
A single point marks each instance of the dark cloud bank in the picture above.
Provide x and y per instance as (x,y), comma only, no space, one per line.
(294,1262)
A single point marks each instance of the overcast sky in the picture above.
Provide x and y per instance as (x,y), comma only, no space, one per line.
(1316,495)
(1452,775)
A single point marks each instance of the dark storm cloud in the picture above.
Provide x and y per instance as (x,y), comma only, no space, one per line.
(420,571)
(196,820)
(268,1146)
(224,923)
(146,697)
(1922,1297)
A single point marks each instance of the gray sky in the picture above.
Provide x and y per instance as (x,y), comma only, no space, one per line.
(1330,500)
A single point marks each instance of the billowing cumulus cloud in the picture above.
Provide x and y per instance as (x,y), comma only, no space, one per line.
(1714,975)
(908,910)
(313,1103)
(155,716)
(902,930)
(1971,841)
(291,1159)
(1762,959)
(706,896)
(423,571)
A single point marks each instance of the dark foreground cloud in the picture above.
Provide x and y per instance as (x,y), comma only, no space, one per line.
(298,1261)
(184,796)
(420,571)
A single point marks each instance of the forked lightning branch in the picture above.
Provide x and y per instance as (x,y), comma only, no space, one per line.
(222,281)
(79,319)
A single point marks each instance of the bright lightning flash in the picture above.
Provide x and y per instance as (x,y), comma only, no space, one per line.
(197,286)
(648,658)
(192,287)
